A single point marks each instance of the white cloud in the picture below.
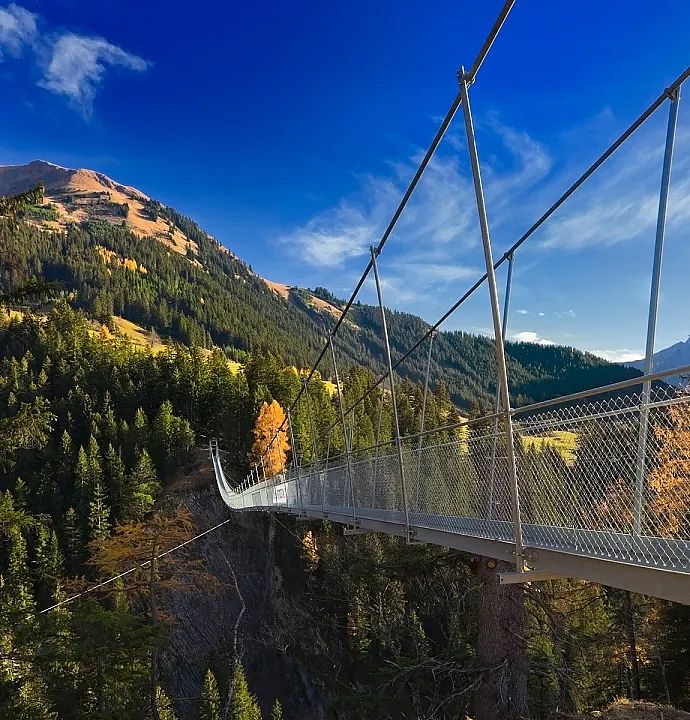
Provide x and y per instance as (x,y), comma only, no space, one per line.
(620,202)
(541,314)
(440,219)
(77,66)
(529,336)
(17,30)
(72,65)
(622,355)
(522,311)
(565,314)
(530,164)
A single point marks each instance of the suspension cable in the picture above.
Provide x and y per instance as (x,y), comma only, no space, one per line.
(440,133)
(146,563)
(635,125)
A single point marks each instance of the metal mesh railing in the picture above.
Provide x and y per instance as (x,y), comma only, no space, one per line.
(590,480)
(610,478)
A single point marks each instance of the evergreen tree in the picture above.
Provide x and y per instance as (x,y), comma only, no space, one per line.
(99,513)
(116,482)
(142,489)
(73,543)
(82,482)
(243,705)
(210,698)
(277,711)
(48,562)
(164,706)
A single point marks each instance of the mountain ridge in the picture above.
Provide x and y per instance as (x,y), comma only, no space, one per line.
(208,296)
(673,356)
(80,195)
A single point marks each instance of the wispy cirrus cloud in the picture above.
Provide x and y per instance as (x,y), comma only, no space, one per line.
(18,30)
(437,214)
(620,203)
(436,235)
(71,65)
(78,64)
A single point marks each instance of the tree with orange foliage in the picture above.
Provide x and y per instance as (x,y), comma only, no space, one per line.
(269,442)
(144,548)
(670,479)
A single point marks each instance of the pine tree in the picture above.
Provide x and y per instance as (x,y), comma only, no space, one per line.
(48,562)
(171,438)
(82,482)
(142,489)
(210,698)
(243,705)
(277,711)
(94,463)
(139,431)
(116,482)
(20,495)
(164,706)
(73,543)
(99,513)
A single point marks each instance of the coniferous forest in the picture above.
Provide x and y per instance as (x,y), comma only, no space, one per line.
(103,450)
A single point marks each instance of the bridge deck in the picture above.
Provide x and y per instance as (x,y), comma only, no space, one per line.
(651,565)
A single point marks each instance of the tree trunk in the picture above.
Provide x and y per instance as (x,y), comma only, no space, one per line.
(631,635)
(562,640)
(154,622)
(501,650)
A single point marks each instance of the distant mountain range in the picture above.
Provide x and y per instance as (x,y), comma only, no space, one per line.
(120,253)
(677,355)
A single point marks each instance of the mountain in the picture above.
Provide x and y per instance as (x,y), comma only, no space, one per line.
(677,355)
(76,196)
(117,252)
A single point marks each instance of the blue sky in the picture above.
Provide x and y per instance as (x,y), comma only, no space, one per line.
(289,131)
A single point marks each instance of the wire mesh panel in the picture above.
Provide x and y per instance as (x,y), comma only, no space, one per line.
(610,478)
(451,485)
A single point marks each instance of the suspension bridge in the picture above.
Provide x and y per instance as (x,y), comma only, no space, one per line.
(616,510)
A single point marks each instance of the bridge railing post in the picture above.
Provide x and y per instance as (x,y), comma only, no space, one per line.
(378,451)
(496,317)
(422,420)
(314,447)
(387,348)
(324,478)
(295,461)
(346,440)
(504,330)
(653,308)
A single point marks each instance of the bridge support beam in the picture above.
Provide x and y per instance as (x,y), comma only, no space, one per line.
(387,348)
(464,81)
(352,531)
(653,308)
(528,576)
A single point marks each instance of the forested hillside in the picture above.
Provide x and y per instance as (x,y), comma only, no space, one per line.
(209,297)
(98,439)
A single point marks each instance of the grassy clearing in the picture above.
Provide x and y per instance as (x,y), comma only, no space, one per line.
(137,335)
(564,441)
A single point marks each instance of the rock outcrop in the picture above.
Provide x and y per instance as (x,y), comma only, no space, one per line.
(280,647)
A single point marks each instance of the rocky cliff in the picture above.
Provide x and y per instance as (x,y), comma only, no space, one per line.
(281,650)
